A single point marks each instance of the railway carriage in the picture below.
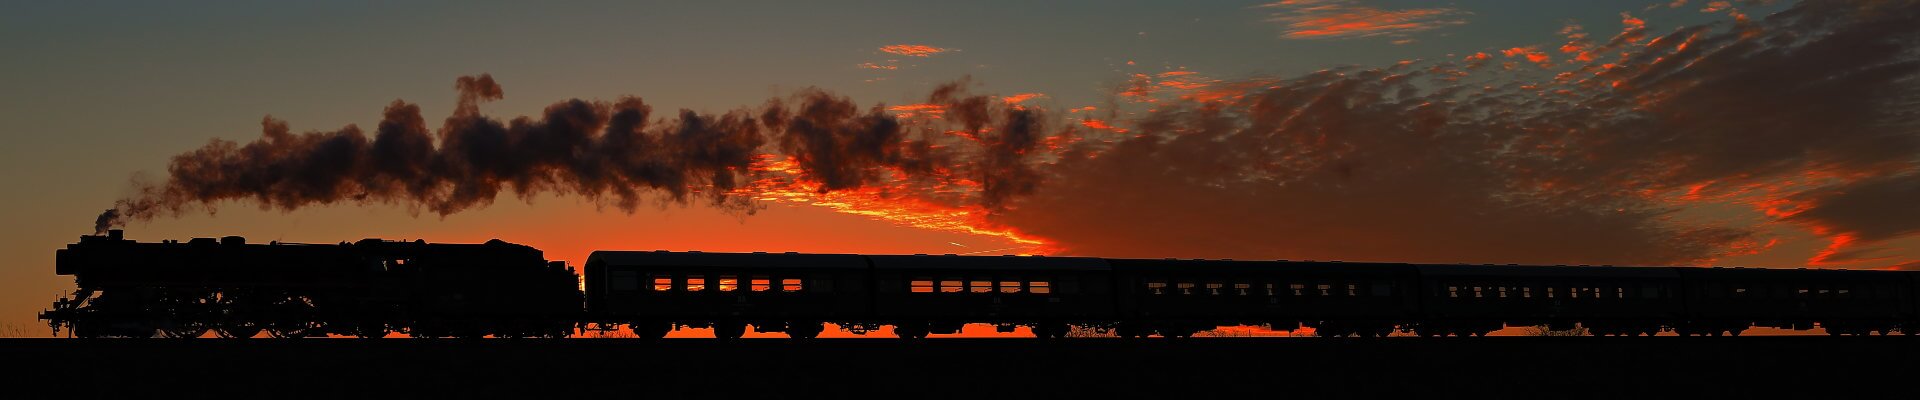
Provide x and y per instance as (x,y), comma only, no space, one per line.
(923,294)
(1177,298)
(1728,300)
(1479,299)
(658,291)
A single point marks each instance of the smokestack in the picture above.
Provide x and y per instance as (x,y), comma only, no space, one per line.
(115,235)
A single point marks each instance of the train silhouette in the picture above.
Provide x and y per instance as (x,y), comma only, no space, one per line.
(371,288)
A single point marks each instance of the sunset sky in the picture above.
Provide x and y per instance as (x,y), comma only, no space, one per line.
(1751,133)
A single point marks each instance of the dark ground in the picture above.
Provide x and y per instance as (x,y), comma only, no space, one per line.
(1529,367)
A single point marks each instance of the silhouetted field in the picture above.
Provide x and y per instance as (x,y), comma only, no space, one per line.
(1532,367)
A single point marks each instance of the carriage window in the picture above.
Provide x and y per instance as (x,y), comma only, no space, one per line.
(1619,293)
(1651,292)
(952,286)
(1298,289)
(1185,287)
(1157,287)
(624,281)
(980,286)
(1802,292)
(1503,291)
(1842,293)
(696,283)
(1271,290)
(1325,289)
(1549,292)
(790,285)
(662,283)
(1353,290)
(729,283)
(1241,289)
(1476,292)
(1009,286)
(1214,288)
(1382,289)
(1453,291)
(760,284)
(921,286)
(1526,292)
(1039,287)
(1739,292)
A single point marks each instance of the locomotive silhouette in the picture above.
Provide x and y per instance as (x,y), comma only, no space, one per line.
(371,288)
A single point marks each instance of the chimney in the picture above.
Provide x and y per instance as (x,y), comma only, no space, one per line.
(115,235)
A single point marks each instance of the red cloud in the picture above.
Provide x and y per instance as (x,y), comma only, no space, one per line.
(913,50)
(1338,19)
(1018,98)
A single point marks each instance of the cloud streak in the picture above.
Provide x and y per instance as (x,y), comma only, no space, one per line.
(1344,19)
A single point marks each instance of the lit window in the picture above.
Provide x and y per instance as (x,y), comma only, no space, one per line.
(1156,287)
(1353,290)
(1526,292)
(1549,292)
(1843,293)
(760,284)
(1214,288)
(922,286)
(696,283)
(1241,288)
(1453,291)
(952,287)
(1619,293)
(790,285)
(1503,292)
(662,283)
(729,283)
(1476,292)
(1298,289)
(980,286)
(1325,289)
(1271,291)
(1185,287)
(1009,287)
(1041,287)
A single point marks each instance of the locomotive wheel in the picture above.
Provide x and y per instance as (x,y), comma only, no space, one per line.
(291,330)
(185,331)
(370,330)
(729,330)
(911,331)
(651,330)
(804,330)
(238,331)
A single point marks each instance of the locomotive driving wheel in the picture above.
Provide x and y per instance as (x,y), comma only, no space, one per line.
(190,311)
(292,318)
(235,316)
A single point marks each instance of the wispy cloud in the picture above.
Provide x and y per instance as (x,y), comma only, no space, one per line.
(1344,19)
(914,50)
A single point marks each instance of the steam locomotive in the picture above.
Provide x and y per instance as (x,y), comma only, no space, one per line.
(372,287)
